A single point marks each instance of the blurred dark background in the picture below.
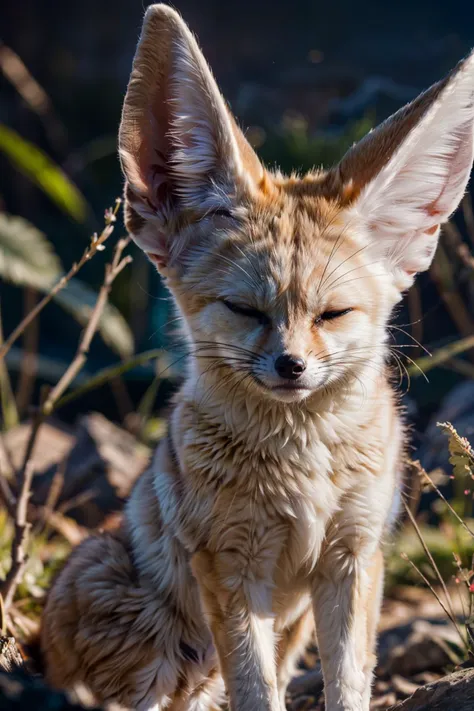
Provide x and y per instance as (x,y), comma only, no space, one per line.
(305,79)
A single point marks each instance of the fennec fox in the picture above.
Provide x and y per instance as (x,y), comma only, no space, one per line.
(267,504)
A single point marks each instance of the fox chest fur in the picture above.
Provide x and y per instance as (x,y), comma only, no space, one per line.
(258,487)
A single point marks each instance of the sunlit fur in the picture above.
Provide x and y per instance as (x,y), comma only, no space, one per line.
(266,507)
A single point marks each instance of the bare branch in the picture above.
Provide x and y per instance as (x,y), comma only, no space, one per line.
(96,245)
(6,493)
(112,270)
(436,570)
(20,540)
(47,405)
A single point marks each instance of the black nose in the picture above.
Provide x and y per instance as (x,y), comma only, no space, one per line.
(288,366)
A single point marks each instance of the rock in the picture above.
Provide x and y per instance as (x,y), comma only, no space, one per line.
(98,460)
(403,686)
(53,444)
(105,462)
(311,682)
(451,693)
(417,647)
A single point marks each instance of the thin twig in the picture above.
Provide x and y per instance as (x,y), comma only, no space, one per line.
(122,398)
(29,361)
(416,316)
(459,366)
(468,216)
(3,617)
(47,405)
(110,372)
(431,588)
(467,583)
(441,355)
(112,270)
(96,245)
(83,497)
(52,498)
(34,95)
(49,401)
(20,540)
(8,406)
(430,558)
(38,419)
(442,274)
(6,456)
(441,495)
(6,494)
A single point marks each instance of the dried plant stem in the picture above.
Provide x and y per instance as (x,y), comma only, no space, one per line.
(8,406)
(460,366)
(20,540)
(107,374)
(49,401)
(449,602)
(94,246)
(52,499)
(416,317)
(3,620)
(468,618)
(29,362)
(441,495)
(458,245)
(441,356)
(47,405)
(441,603)
(6,494)
(468,216)
(34,95)
(442,274)
(111,272)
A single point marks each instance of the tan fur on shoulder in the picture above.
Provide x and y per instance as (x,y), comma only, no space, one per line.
(264,512)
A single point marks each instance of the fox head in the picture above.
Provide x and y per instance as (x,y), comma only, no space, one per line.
(284,284)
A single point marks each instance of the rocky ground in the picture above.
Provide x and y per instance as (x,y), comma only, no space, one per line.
(90,468)
(418,651)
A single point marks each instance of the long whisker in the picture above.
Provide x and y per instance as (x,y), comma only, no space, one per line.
(382,274)
(338,266)
(335,247)
(418,344)
(213,386)
(349,271)
(413,362)
(402,368)
(246,256)
(239,266)
(223,344)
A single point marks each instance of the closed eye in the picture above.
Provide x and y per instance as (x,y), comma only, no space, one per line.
(248,311)
(331,315)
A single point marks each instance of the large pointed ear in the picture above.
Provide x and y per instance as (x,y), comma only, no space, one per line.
(181,151)
(408,175)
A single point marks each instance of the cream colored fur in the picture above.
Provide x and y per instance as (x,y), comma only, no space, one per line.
(265,508)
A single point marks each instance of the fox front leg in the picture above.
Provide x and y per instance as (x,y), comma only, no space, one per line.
(243,636)
(347,591)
